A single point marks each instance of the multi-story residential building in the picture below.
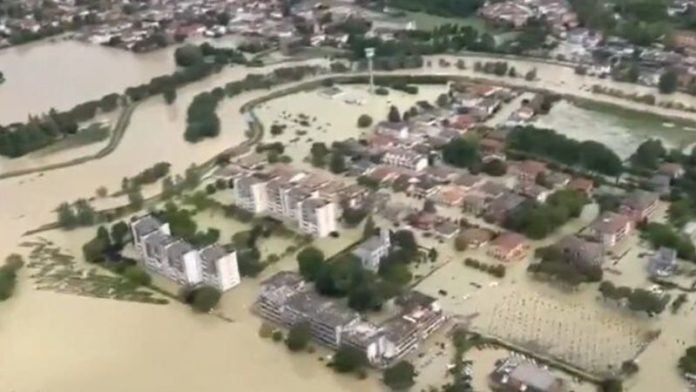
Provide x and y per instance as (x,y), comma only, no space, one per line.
(317,216)
(177,260)
(286,300)
(373,250)
(250,193)
(405,158)
(283,195)
(610,228)
(639,205)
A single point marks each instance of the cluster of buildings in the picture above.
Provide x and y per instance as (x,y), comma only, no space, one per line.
(286,300)
(179,261)
(516,13)
(310,201)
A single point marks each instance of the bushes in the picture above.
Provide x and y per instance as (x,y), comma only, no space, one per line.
(497,270)
(364,121)
(8,275)
(137,275)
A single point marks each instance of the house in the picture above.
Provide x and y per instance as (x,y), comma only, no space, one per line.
(446,229)
(317,216)
(499,209)
(383,174)
(515,375)
(673,170)
(529,170)
(424,188)
(685,39)
(639,205)
(663,263)
(508,246)
(533,191)
(474,204)
(423,220)
(583,185)
(556,180)
(475,237)
(408,159)
(373,250)
(581,252)
(469,181)
(492,190)
(610,228)
(451,195)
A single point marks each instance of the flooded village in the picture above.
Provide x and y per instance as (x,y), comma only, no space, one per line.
(418,223)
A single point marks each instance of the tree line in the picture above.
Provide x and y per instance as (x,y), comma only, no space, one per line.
(546,143)
(202,120)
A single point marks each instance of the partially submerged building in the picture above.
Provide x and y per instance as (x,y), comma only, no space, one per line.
(286,299)
(177,260)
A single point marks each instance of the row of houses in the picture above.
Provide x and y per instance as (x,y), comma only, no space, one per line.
(175,259)
(558,14)
(285,299)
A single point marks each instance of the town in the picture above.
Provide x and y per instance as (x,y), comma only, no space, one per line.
(418,196)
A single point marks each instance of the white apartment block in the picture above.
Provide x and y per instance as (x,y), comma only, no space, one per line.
(250,193)
(406,158)
(317,217)
(285,199)
(373,250)
(179,261)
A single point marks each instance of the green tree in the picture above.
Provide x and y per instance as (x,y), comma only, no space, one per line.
(495,167)
(188,55)
(203,299)
(137,275)
(119,232)
(337,164)
(668,82)
(364,121)
(66,216)
(319,152)
(310,261)
(611,385)
(443,100)
(461,152)
(648,154)
(348,359)
(298,336)
(400,376)
(394,116)
(136,199)
(169,95)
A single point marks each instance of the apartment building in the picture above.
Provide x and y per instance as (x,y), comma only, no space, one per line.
(317,217)
(250,193)
(373,250)
(179,261)
(286,300)
(283,195)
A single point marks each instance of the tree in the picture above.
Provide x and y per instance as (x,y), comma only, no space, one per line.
(137,275)
(93,250)
(66,216)
(495,167)
(102,191)
(429,206)
(461,152)
(531,75)
(348,359)
(394,116)
(188,55)
(648,154)
(337,164)
(119,231)
(319,152)
(668,82)
(364,121)
(298,336)
(169,95)
(611,385)
(136,199)
(400,376)
(203,299)
(310,261)
(443,100)
(461,243)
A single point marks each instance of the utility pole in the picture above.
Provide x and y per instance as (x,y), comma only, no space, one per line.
(369,54)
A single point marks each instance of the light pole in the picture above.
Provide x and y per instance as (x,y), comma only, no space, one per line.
(369,54)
